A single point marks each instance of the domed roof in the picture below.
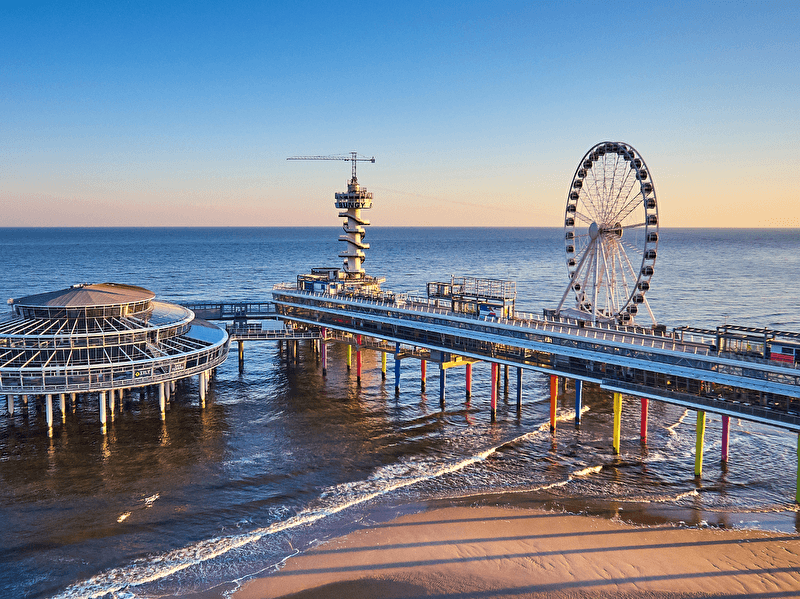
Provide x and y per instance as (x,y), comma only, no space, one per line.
(85,296)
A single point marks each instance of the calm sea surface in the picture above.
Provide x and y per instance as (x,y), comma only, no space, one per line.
(281,458)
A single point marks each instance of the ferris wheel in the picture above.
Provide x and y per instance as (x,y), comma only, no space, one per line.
(610,235)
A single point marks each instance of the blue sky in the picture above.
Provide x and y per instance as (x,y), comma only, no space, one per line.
(178,113)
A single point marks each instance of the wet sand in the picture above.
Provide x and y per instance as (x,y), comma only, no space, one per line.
(500,552)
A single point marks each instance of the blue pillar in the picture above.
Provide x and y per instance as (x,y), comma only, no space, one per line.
(519,388)
(397,368)
(442,383)
(578,400)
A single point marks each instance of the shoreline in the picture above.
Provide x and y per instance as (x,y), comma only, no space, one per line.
(463,550)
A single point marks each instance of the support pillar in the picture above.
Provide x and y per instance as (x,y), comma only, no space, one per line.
(201,384)
(241,354)
(10,404)
(383,365)
(495,371)
(324,351)
(358,359)
(797,493)
(505,379)
(162,399)
(442,383)
(698,450)
(617,422)
(726,433)
(397,368)
(349,356)
(25,400)
(423,373)
(645,415)
(578,401)
(62,406)
(469,380)
(553,401)
(519,388)
(102,407)
(49,410)
(296,350)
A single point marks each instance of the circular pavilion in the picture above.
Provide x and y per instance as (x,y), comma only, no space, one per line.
(104,339)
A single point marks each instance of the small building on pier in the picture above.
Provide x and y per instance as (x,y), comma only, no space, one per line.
(102,338)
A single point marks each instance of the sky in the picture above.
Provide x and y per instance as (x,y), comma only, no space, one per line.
(177,113)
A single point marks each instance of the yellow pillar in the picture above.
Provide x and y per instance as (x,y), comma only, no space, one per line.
(617,421)
(698,450)
(383,365)
(349,356)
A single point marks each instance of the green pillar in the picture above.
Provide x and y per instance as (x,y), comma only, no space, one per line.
(698,452)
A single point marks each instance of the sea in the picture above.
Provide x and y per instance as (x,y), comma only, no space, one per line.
(282,458)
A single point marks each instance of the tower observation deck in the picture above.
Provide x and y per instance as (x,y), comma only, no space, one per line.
(352,277)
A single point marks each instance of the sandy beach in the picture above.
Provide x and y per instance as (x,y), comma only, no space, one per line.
(499,552)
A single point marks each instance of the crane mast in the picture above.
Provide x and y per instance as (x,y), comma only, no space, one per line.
(350,203)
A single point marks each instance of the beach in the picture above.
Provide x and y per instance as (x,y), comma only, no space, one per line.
(503,552)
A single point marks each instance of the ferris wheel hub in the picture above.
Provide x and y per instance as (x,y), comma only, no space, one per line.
(594,231)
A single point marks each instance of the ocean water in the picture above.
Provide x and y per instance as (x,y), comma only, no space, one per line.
(282,458)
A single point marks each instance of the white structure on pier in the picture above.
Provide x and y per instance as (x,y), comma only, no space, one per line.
(353,201)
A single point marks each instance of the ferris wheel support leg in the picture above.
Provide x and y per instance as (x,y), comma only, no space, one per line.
(617,422)
(726,434)
(701,433)
(645,413)
(578,401)
(553,401)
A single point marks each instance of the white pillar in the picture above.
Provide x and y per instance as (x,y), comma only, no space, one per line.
(25,399)
(201,382)
(102,401)
(49,410)
(62,406)
(10,399)
(162,403)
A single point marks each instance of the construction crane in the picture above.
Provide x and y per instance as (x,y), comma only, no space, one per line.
(352,157)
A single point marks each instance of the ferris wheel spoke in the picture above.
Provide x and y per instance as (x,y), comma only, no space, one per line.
(633,202)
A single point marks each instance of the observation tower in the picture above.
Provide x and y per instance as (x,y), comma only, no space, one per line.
(104,339)
(352,278)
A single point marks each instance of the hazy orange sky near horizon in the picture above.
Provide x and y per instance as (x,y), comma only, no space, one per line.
(477,115)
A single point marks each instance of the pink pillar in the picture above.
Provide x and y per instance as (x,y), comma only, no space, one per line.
(358,358)
(553,401)
(423,369)
(726,420)
(643,431)
(495,371)
(469,380)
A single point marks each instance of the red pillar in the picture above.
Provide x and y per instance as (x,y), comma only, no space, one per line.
(423,372)
(726,421)
(469,380)
(495,371)
(643,430)
(553,401)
